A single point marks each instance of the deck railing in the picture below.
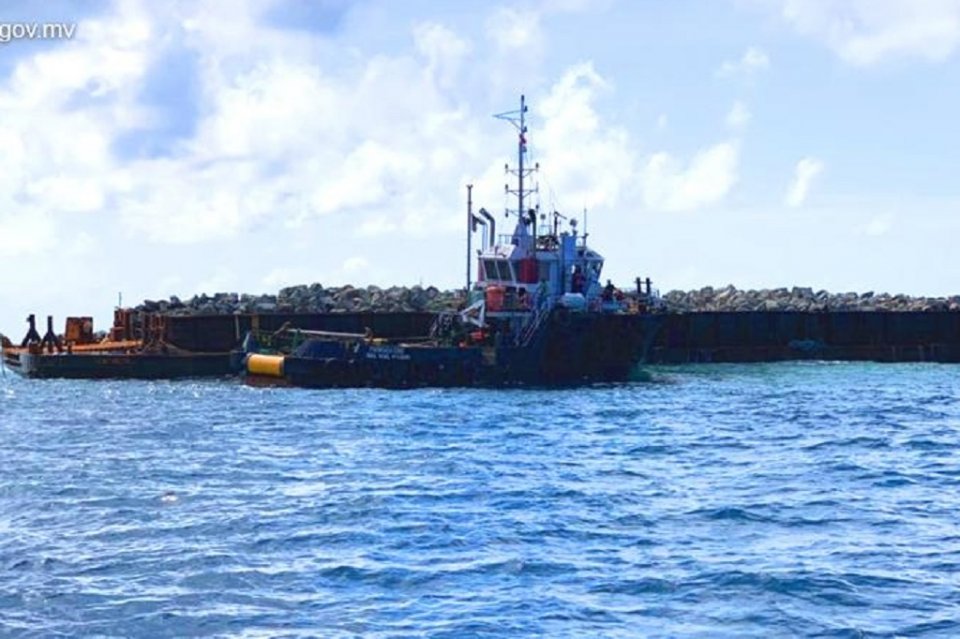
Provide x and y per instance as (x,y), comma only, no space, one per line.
(540,312)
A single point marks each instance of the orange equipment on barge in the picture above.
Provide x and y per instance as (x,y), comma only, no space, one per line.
(121,354)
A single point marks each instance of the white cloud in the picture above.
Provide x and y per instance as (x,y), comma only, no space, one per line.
(512,29)
(67,193)
(265,111)
(104,58)
(804,173)
(589,163)
(752,61)
(368,175)
(669,186)
(443,49)
(512,51)
(281,134)
(865,32)
(738,116)
(211,201)
(62,108)
(56,159)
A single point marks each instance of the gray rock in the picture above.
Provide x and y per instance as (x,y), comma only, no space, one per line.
(315,298)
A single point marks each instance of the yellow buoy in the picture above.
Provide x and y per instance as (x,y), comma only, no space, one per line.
(266,365)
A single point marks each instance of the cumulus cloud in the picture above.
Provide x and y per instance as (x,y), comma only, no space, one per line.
(443,49)
(752,61)
(285,126)
(62,107)
(866,32)
(589,162)
(803,175)
(280,134)
(670,186)
(511,29)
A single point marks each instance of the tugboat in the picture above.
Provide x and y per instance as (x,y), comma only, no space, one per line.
(536,314)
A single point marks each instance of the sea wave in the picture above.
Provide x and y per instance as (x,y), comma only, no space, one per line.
(771,500)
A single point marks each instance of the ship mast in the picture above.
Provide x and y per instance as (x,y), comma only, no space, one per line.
(521,149)
(518,119)
(470,226)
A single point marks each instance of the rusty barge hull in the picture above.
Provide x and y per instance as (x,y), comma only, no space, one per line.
(117,365)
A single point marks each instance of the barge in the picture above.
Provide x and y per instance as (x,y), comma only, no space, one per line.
(77,354)
(159,346)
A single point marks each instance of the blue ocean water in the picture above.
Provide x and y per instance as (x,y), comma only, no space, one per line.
(798,499)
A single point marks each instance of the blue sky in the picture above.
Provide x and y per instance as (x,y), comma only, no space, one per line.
(188,147)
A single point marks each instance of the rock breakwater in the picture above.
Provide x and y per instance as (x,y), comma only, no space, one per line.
(801,299)
(315,298)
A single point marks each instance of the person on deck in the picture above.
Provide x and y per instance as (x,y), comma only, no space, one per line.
(542,293)
(523,301)
(608,291)
(577,281)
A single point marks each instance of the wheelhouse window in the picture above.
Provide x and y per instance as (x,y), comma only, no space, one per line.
(490,270)
(497,270)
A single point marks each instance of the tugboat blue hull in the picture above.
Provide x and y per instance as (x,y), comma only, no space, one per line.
(570,349)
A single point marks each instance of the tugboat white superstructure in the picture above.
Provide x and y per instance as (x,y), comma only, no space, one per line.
(523,276)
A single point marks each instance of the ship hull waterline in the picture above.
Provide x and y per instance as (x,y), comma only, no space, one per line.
(118,365)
